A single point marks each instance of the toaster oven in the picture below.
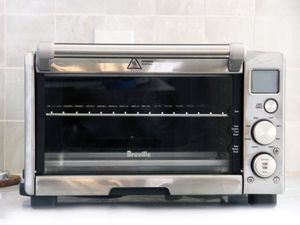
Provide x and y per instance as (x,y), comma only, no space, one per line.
(107,120)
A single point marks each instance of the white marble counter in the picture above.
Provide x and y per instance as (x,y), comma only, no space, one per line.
(15,209)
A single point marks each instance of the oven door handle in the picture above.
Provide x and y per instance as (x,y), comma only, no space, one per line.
(234,52)
(104,185)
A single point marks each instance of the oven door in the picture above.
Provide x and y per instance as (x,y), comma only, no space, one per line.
(139,123)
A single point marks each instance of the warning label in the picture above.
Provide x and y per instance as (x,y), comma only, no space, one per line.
(134,64)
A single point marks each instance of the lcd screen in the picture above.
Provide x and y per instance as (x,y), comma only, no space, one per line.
(265,81)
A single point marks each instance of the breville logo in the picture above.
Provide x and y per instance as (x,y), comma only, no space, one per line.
(143,154)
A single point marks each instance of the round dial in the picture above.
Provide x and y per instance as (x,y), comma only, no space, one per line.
(264,132)
(264,165)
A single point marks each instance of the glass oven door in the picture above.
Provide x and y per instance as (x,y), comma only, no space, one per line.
(120,124)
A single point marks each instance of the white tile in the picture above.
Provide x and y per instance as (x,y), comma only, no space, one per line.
(2,85)
(230,7)
(78,28)
(292,95)
(229,29)
(23,33)
(14,146)
(113,36)
(14,93)
(30,6)
(277,8)
(1,7)
(269,34)
(79,6)
(1,145)
(179,30)
(179,7)
(1,39)
(143,27)
(292,120)
(279,34)
(130,7)
(292,152)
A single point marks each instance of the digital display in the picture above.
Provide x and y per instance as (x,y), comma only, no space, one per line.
(265,81)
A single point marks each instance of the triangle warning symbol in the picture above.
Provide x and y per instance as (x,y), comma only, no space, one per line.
(134,64)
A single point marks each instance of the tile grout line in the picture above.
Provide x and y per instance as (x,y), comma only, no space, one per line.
(54,14)
(13,121)
(148,15)
(4,144)
(154,24)
(292,68)
(105,9)
(5,64)
(55,21)
(137,15)
(204,22)
(254,23)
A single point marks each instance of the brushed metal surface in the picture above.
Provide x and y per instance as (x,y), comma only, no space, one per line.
(104,50)
(149,65)
(102,185)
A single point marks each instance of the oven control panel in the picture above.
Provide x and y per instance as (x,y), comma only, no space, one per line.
(263,123)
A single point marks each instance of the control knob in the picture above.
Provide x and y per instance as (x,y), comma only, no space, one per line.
(264,165)
(264,132)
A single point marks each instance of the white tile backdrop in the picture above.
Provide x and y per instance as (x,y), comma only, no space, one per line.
(260,24)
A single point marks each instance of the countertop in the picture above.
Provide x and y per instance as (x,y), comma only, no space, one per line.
(15,209)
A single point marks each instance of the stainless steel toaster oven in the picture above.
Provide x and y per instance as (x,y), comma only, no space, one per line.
(178,120)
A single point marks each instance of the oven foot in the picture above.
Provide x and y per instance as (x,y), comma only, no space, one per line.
(173,197)
(43,201)
(22,190)
(262,199)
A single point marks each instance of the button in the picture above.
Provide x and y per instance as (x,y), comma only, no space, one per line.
(264,165)
(264,132)
(271,106)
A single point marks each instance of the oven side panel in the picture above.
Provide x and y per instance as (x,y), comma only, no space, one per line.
(29,172)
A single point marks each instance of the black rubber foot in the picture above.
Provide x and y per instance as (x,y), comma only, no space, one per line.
(22,190)
(173,197)
(43,201)
(262,199)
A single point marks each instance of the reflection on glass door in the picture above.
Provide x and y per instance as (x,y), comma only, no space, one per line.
(142,124)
